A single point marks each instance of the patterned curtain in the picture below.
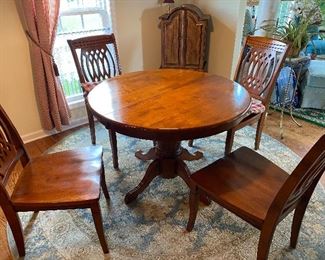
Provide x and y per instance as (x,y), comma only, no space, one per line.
(39,19)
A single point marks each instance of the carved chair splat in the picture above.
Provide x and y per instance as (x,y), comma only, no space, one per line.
(96,59)
(257,70)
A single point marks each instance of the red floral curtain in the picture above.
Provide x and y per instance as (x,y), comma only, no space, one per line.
(39,19)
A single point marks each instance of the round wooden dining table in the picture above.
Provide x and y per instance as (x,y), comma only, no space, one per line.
(168,106)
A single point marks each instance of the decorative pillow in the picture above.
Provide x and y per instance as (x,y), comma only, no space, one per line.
(256,107)
(88,86)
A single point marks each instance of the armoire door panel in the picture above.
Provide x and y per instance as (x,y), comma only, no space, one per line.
(184,38)
(171,42)
(195,35)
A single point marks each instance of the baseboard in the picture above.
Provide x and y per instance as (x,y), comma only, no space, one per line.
(42,133)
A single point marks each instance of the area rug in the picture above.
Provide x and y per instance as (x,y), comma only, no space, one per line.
(153,227)
(315,116)
(311,115)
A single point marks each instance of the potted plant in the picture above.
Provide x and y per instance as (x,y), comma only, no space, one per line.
(295,31)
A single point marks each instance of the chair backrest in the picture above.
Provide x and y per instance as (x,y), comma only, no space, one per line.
(301,183)
(259,65)
(96,57)
(11,151)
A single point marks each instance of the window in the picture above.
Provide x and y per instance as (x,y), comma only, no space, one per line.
(78,18)
(285,12)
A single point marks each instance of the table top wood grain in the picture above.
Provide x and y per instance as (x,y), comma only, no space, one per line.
(169,104)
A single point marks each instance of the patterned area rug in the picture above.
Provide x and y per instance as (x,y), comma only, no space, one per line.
(315,116)
(153,227)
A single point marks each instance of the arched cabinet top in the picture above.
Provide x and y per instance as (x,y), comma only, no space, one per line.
(185,34)
(189,8)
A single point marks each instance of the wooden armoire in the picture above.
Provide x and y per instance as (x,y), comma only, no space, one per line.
(185,38)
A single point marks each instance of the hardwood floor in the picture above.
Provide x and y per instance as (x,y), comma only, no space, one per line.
(38,147)
(298,139)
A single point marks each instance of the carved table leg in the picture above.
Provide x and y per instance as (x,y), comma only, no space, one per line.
(187,156)
(185,174)
(150,174)
(150,155)
(168,164)
(184,154)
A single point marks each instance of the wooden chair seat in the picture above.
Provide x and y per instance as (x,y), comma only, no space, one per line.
(74,178)
(64,180)
(245,181)
(258,191)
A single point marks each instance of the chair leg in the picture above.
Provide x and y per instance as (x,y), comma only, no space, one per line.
(97,216)
(103,183)
(299,215)
(264,243)
(15,226)
(259,129)
(296,224)
(112,138)
(91,125)
(229,141)
(194,201)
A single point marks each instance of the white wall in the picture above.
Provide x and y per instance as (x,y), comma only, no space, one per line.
(135,23)
(16,81)
(228,19)
(138,36)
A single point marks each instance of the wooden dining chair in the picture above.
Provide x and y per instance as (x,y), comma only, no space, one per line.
(257,70)
(258,191)
(96,59)
(57,181)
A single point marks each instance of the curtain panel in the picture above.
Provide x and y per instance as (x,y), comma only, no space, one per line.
(39,19)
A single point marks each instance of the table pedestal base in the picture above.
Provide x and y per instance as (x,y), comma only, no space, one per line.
(168,163)
(152,154)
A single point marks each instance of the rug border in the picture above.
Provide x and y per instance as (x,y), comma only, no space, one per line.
(296,114)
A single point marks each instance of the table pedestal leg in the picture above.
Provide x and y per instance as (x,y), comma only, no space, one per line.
(187,156)
(168,164)
(150,174)
(185,174)
(152,154)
